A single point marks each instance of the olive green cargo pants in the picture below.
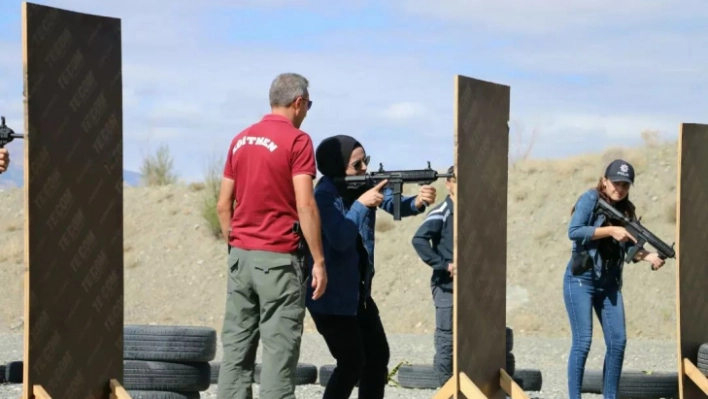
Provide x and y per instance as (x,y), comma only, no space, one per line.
(265,300)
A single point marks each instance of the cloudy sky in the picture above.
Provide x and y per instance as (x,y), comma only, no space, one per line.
(584,74)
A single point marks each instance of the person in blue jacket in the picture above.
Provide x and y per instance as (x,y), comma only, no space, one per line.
(346,315)
(433,241)
(593,276)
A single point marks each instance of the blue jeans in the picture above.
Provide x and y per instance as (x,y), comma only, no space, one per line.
(582,294)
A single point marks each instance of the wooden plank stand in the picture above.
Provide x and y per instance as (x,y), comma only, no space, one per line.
(481,168)
(73,186)
(117,391)
(465,386)
(691,273)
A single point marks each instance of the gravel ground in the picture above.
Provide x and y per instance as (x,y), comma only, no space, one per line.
(547,354)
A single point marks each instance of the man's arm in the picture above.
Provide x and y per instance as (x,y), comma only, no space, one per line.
(309,215)
(225,201)
(429,230)
(225,206)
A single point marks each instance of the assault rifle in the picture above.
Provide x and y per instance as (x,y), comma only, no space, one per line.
(6,134)
(638,231)
(396,179)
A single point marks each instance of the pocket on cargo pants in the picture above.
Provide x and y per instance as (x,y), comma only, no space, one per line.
(280,285)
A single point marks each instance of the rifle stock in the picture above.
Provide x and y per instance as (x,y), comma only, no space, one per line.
(638,231)
(396,180)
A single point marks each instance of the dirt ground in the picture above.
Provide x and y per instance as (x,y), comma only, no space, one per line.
(175,269)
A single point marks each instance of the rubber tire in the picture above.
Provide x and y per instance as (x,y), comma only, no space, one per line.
(163,395)
(702,360)
(214,368)
(169,343)
(529,379)
(2,374)
(422,376)
(510,364)
(148,375)
(635,384)
(14,372)
(418,376)
(509,340)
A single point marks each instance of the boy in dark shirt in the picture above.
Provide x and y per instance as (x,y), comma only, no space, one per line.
(434,244)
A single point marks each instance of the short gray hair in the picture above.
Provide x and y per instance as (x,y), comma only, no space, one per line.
(286,87)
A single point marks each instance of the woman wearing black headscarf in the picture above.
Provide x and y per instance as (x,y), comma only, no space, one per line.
(346,314)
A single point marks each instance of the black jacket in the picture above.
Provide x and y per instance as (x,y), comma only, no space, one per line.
(434,242)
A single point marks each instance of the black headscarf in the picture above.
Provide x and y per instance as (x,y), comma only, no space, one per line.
(332,157)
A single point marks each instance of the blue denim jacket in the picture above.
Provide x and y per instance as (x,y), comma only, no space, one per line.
(582,226)
(340,227)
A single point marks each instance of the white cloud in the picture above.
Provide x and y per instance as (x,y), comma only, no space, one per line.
(404,111)
(554,16)
(187,85)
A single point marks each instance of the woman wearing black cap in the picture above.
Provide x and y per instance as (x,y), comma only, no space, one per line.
(346,315)
(593,276)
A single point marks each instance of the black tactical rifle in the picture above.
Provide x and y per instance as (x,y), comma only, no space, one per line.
(396,180)
(6,134)
(638,231)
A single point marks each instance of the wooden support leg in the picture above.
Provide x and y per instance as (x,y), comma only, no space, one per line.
(448,390)
(469,389)
(117,390)
(692,372)
(512,389)
(40,393)
(466,387)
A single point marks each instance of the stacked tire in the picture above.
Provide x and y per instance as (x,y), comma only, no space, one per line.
(510,358)
(635,384)
(167,362)
(12,372)
(423,376)
(642,384)
(702,359)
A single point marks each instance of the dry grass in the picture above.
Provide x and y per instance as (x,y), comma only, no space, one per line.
(211,187)
(175,267)
(158,169)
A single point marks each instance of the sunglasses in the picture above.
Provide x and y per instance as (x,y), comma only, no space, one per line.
(309,103)
(358,164)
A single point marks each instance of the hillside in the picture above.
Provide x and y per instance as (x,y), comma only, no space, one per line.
(14,177)
(175,269)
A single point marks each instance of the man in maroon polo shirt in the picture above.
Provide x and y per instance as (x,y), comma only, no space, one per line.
(269,172)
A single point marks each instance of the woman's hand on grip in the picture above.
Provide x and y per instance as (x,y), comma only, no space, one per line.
(622,235)
(373,197)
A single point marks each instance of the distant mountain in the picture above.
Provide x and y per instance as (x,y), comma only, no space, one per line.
(131,178)
(14,177)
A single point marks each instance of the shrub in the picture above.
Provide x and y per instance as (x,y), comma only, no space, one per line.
(157,170)
(212,184)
